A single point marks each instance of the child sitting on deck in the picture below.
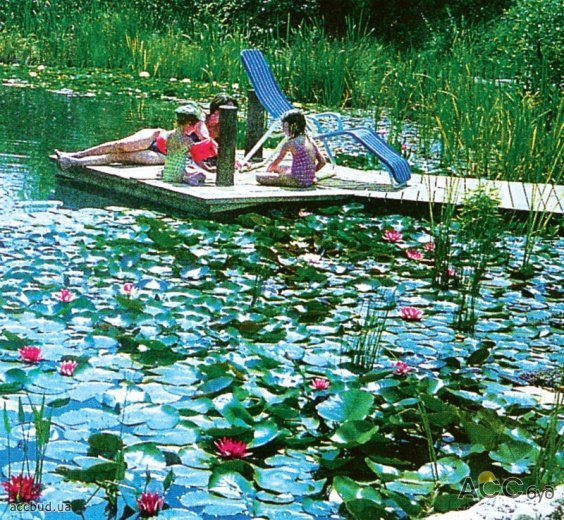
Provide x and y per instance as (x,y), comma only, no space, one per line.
(306,157)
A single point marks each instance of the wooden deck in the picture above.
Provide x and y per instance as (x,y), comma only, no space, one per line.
(347,184)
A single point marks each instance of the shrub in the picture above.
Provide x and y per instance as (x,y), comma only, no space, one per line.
(529,39)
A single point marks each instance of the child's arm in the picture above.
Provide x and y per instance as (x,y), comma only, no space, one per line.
(321,162)
(201,130)
(273,166)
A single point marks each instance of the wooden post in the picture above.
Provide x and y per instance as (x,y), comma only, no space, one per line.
(227,141)
(255,123)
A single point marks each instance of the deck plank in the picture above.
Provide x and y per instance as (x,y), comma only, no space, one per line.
(518,196)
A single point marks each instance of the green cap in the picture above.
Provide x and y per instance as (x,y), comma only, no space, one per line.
(191,109)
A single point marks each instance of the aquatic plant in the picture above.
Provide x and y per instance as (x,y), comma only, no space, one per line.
(185,367)
(319,383)
(547,468)
(401,368)
(232,448)
(21,489)
(391,235)
(26,485)
(366,345)
(64,295)
(443,233)
(30,354)
(414,254)
(149,504)
(128,289)
(476,248)
(67,367)
(411,314)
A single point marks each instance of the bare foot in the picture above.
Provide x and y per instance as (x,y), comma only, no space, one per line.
(65,162)
(60,153)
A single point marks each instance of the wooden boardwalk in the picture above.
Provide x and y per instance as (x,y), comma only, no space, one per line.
(347,184)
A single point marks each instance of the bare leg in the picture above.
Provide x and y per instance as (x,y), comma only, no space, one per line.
(134,143)
(145,157)
(274,179)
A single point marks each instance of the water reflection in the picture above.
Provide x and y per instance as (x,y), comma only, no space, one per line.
(35,122)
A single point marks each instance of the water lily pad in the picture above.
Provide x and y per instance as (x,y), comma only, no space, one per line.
(190,477)
(65,450)
(287,481)
(89,417)
(144,455)
(156,417)
(230,484)
(354,433)
(347,406)
(515,457)
(448,470)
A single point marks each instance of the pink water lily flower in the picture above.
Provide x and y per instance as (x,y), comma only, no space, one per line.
(390,235)
(232,448)
(411,313)
(128,288)
(66,368)
(413,254)
(450,272)
(21,489)
(319,383)
(149,504)
(30,354)
(430,246)
(64,296)
(402,368)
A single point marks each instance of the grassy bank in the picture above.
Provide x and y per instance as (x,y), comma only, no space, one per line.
(488,126)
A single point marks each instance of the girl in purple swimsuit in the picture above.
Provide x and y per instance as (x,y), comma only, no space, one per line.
(306,157)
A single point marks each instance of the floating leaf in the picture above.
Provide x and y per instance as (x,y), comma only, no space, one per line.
(347,406)
(354,433)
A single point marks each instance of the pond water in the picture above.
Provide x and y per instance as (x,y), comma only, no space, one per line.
(222,333)
(35,122)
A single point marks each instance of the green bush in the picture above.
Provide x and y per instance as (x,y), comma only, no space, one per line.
(529,40)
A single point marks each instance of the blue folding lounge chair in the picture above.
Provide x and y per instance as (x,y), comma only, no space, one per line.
(276,103)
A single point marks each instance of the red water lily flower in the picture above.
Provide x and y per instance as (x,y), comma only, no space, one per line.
(430,246)
(319,383)
(30,354)
(64,296)
(21,488)
(450,272)
(149,504)
(411,313)
(413,254)
(402,368)
(232,448)
(391,235)
(66,368)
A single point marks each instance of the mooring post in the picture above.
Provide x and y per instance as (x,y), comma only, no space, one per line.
(255,123)
(227,141)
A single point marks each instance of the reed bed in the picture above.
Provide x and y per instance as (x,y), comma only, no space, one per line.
(487,126)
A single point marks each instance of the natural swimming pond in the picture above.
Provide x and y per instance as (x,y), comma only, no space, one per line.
(221,364)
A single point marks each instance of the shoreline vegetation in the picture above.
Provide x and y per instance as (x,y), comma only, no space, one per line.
(495,117)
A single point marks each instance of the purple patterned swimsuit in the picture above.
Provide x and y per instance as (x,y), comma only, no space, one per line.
(304,160)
